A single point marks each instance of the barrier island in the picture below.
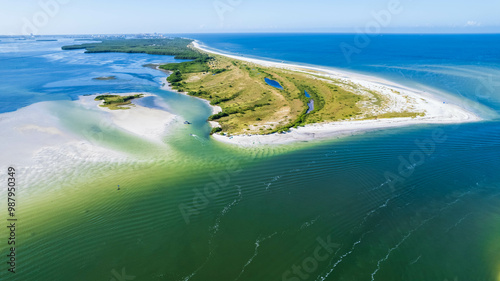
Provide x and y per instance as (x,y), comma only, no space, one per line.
(262,98)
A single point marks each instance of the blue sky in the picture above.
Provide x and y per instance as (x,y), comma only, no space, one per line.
(204,16)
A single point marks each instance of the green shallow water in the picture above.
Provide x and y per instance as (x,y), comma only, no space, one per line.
(269,211)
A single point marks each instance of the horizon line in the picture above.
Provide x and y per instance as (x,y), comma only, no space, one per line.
(263,32)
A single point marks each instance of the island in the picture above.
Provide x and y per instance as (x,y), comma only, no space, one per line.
(177,47)
(265,100)
(117,102)
(252,97)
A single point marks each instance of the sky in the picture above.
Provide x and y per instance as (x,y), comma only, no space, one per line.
(51,17)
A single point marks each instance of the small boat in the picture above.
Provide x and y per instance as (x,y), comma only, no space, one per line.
(187,122)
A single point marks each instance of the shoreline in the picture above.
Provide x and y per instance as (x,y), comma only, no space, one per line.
(165,85)
(69,137)
(39,144)
(40,140)
(145,122)
(436,110)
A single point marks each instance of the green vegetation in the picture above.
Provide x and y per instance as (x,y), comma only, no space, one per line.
(217,71)
(105,78)
(115,102)
(177,47)
(218,116)
(249,105)
(86,39)
(175,77)
(216,130)
(197,65)
(404,114)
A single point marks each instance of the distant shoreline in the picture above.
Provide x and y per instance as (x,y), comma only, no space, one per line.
(437,111)
(165,85)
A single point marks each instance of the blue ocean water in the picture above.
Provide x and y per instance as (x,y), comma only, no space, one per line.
(34,71)
(462,65)
(438,218)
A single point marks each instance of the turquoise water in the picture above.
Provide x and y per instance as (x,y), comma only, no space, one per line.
(34,71)
(267,214)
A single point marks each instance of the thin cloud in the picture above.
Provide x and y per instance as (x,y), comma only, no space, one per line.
(472,23)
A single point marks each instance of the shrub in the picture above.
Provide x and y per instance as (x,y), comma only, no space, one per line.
(215,130)
(218,116)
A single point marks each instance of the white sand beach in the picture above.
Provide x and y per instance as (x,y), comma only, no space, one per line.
(435,110)
(39,142)
(145,122)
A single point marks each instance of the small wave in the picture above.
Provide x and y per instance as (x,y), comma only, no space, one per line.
(226,209)
(389,253)
(273,179)
(309,223)
(202,141)
(379,262)
(458,222)
(381,185)
(375,210)
(416,260)
(198,269)
(311,163)
(322,278)
(330,153)
(255,253)
(371,212)
(214,229)
(339,260)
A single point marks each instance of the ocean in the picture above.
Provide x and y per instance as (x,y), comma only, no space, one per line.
(413,203)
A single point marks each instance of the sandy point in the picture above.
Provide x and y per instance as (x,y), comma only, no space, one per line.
(433,108)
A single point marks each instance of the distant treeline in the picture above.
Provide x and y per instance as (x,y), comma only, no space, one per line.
(177,47)
(197,65)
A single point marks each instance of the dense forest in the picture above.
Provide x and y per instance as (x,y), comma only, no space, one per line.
(177,47)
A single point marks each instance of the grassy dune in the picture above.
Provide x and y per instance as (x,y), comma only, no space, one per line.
(252,106)
(249,104)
